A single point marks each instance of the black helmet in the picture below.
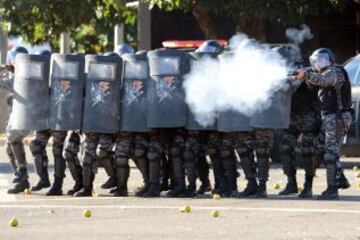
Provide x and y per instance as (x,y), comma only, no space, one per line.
(12,54)
(321,58)
(124,48)
(210,46)
(140,52)
(44,52)
(111,54)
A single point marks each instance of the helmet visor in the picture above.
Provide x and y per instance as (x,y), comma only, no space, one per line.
(206,48)
(320,61)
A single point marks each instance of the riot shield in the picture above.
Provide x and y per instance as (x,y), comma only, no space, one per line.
(31,93)
(231,121)
(66,92)
(165,96)
(277,115)
(191,123)
(102,94)
(133,93)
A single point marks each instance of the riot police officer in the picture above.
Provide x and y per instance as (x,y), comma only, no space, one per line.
(14,138)
(335,102)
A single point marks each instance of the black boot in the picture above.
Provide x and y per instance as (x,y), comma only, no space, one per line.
(251,188)
(122,176)
(204,187)
(16,179)
(154,177)
(22,184)
(56,188)
(343,183)
(76,173)
(86,191)
(203,173)
(143,166)
(178,174)
(143,189)
(261,193)
(307,191)
(42,183)
(77,187)
(191,190)
(330,193)
(231,175)
(110,183)
(88,179)
(332,190)
(291,187)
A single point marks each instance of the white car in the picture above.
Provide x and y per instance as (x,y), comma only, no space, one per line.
(352,144)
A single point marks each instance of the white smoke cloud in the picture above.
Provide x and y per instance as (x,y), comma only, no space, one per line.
(297,37)
(242,80)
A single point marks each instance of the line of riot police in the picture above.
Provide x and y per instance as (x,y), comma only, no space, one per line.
(133,107)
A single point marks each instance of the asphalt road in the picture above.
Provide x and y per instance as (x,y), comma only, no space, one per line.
(41,217)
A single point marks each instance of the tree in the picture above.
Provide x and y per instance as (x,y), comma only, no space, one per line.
(87,20)
(247,16)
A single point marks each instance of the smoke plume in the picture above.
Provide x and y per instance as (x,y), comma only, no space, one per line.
(242,79)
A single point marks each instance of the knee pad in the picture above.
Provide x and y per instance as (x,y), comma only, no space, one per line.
(101,153)
(285,149)
(67,155)
(175,152)
(307,150)
(139,152)
(57,149)
(211,151)
(87,160)
(188,156)
(262,152)
(241,150)
(36,147)
(15,136)
(330,158)
(225,153)
(122,162)
(153,155)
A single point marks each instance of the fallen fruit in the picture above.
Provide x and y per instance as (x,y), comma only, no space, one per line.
(14,222)
(87,213)
(27,191)
(186,209)
(356,168)
(51,211)
(277,186)
(216,197)
(215,214)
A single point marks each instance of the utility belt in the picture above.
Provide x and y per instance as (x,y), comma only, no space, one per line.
(325,113)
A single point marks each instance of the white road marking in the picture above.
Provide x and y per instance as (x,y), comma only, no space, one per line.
(258,209)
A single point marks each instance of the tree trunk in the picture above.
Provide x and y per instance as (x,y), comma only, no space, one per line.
(205,22)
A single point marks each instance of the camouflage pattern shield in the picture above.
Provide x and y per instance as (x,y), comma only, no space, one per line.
(66,92)
(133,93)
(31,93)
(277,115)
(165,96)
(102,94)
(191,123)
